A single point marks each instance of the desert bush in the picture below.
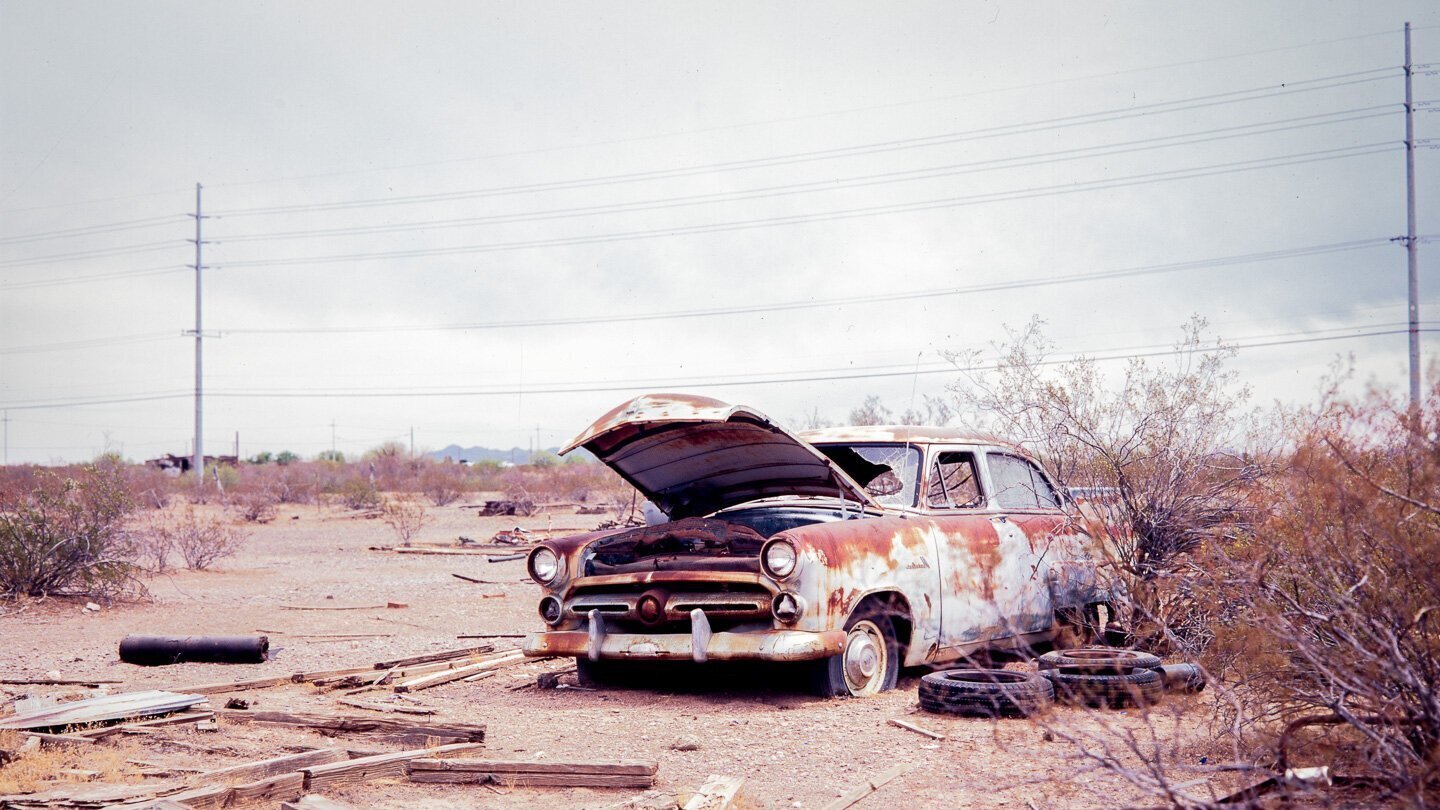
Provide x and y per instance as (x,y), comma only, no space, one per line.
(285,457)
(1164,446)
(199,541)
(1338,598)
(405,515)
(69,533)
(443,483)
(358,492)
(255,504)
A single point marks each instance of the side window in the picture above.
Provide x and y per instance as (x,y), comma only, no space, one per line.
(953,483)
(1020,484)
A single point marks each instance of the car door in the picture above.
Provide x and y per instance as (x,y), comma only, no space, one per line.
(1031,519)
(968,551)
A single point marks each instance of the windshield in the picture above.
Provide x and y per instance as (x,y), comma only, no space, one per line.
(886,470)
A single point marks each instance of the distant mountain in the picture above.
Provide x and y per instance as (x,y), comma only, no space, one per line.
(515,455)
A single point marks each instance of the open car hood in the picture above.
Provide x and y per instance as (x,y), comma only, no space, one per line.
(691,456)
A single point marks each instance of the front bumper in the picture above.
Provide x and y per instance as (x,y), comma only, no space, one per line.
(760,645)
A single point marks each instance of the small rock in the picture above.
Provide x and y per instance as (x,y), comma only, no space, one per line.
(686,743)
(1047,736)
(53,674)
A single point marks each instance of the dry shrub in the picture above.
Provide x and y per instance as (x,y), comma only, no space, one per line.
(199,541)
(405,515)
(254,505)
(442,483)
(35,770)
(1338,598)
(1158,453)
(69,534)
(359,492)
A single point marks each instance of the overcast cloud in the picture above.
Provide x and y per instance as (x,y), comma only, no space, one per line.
(399,167)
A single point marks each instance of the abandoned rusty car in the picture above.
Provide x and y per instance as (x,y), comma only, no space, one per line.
(856,550)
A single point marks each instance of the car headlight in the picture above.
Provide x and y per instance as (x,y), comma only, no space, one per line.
(779,558)
(544,565)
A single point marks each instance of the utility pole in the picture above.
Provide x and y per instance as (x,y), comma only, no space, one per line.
(197,463)
(332,438)
(412,442)
(7,439)
(1410,241)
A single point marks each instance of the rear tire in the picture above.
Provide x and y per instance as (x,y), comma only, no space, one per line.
(868,664)
(1141,687)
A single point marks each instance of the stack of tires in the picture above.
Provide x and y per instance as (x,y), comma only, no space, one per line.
(1101,677)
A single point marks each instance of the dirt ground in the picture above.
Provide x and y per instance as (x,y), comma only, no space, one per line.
(792,749)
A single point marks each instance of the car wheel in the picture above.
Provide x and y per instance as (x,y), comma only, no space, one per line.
(1098,660)
(985,692)
(596,673)
(1142,687)
(868,664)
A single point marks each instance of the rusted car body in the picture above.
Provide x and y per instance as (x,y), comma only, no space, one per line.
(860,550)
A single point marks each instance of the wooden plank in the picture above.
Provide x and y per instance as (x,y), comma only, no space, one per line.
(380,766)
(533,779)
(277,788)
(237,686)
(314,801)
(146,725)
(343,724)
(908,726)
(718,793)
(873,784)
(384,707)
(462,765)
(59,739)
(444,655)
(57,681)
(266,768)
(437,678)
(332,607)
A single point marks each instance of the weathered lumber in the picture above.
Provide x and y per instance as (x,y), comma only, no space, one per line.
(103,709)
(445,655)
(59,739)
(873,784)
(493,635)
(437,678)
(57,681)
(536,772)
(314,801)
(280,787)
(344,724)
(382,707)
(908,726)
(142,726)
(717,793)
(379,766)
(238,686)
(266,768)
(332,607)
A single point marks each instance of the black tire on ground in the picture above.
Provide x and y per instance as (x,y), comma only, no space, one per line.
(870,639)
(1182,677)
(1098,661)
(985,692)
(1142,687)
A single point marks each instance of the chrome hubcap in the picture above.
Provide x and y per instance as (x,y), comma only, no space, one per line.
(864,658)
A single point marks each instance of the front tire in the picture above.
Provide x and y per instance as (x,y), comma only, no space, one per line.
(868,664)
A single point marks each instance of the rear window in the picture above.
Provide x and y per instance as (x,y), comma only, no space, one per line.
(1020,484)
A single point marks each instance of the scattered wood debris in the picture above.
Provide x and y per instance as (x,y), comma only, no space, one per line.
(57,681)
(378,766)
(103,709)
(873,784)
(335,607)
(532,773)
(908,726)
(404,731)
(314,801)
(717,793)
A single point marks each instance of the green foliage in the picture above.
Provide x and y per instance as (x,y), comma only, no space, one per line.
(332,456)
(262,457)
(285,457)
(69,534)
(359,493)
(544,460)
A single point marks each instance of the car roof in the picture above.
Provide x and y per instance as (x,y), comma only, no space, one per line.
(917,434)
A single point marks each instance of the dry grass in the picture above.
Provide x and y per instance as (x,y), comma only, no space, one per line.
(43,767)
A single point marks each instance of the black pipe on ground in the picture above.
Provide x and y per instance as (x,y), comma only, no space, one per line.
(153,651)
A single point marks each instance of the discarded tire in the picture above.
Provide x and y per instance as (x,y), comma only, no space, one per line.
(1141,687)
(153,651)
(1182,677)
(1098,661)
(985,692)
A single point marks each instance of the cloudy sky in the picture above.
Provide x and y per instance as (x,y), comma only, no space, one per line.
(484,220)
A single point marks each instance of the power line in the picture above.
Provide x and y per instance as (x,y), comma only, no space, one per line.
(1220,261)
(530,389)
(1060,122)
(91,343)
(128,250)
(115,276)
(856,181)
(91,230)
(806,117)
(843,214)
